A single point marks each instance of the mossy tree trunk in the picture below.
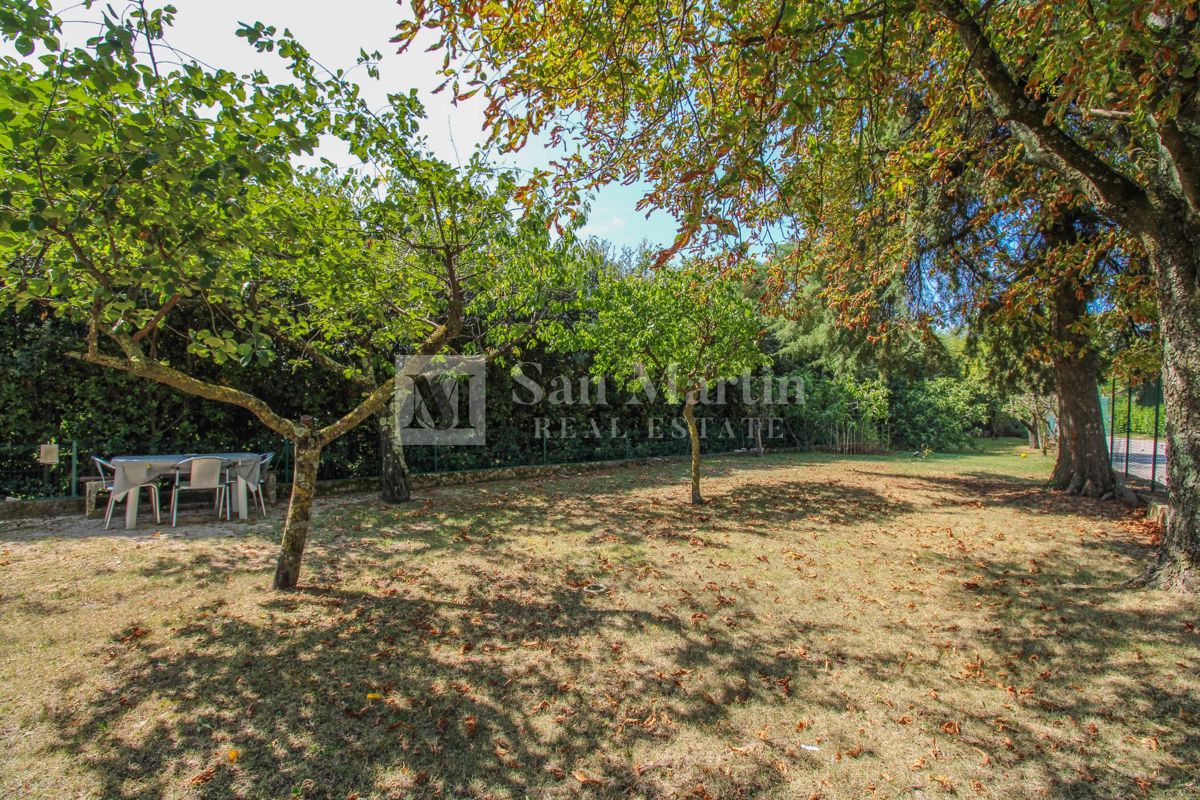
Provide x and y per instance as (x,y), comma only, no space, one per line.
(295,528)
(689,414)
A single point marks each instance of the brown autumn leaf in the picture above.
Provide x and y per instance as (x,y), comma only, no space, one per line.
(201,778)
(642,769)
(951,728)
(585,779)
(943,781)
(136,632)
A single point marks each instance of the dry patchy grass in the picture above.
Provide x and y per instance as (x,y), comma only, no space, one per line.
(823,627)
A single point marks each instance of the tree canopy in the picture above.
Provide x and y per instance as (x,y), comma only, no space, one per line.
(150,203)
(824,122)
(684,327)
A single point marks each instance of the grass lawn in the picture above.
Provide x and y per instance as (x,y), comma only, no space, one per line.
(835,627)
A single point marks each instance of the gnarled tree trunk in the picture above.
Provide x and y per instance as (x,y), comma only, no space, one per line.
(1164,211)
(1176,259)
(1083,465)
(295,528)
(689,414)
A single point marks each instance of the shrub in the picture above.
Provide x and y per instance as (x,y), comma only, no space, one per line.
(940,413)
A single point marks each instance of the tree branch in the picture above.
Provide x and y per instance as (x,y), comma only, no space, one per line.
(1182,160)
(158,317)
(1047,144)
(433,344)
(136,363)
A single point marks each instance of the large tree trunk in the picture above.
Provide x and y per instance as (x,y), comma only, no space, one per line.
(689,414)
(295,528)
(1083,465)
(395,486)
(1165,213)
(1177,264)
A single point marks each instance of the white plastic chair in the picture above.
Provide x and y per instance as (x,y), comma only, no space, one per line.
(203,474)
(108,475)
(256,488)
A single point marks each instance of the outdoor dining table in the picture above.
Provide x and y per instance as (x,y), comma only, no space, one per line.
(133,471)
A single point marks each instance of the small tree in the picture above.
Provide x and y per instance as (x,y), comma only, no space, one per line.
(687,326)
(132,194)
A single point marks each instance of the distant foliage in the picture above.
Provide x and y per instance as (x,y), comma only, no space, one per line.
(941,413)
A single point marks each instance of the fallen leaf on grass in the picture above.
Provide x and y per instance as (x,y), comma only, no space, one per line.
(853,752)
(943,781)
(586,779)
(642,769)
(136,632)
(203,777)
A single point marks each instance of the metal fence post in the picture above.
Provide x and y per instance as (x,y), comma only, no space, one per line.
(1112,419)
(75,467)
(1128,421)
(1154,457)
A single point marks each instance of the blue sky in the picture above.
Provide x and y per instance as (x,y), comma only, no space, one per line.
(334,33)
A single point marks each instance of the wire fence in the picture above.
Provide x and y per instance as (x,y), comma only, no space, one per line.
(357,456)
(1134,417)
(29,471)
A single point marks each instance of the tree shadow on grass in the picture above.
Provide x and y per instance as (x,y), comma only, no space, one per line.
(980,489)
(414,689)
(1108,679)
(507,678)
(604,511)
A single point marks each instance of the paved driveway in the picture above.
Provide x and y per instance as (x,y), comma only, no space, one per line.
(1141,459)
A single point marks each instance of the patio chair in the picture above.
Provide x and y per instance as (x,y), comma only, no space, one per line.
(108,474)
(256,489)
(204,473)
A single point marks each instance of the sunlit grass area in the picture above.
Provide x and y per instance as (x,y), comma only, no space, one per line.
(823,627)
